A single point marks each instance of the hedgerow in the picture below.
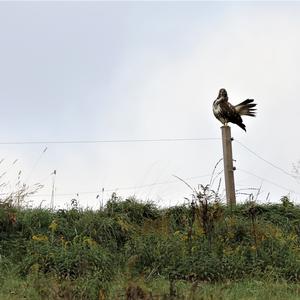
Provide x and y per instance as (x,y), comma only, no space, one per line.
(200,241)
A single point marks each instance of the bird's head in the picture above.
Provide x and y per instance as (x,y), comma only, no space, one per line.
(222,93)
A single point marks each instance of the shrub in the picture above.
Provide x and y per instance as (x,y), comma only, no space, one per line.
(66,259)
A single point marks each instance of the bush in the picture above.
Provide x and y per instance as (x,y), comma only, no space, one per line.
(136,212)
(82,251)
(67,259)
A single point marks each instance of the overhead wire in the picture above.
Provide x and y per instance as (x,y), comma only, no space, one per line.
(269,181)
(35,164)
(266,161)
(109,141)
(44,179)
(105,141)
(147,141)
(121,188)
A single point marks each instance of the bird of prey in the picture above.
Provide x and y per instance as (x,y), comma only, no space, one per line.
(225,112)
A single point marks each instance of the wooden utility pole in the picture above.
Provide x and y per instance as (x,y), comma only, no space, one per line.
(53,190)
(228,165)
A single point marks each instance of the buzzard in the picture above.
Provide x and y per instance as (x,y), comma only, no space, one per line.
(225,112)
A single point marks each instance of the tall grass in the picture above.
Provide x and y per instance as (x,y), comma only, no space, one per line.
(132,247)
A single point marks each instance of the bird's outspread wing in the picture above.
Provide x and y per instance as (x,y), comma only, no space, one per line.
(225,112)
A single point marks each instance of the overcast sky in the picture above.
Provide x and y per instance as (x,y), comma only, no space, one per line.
(147,70)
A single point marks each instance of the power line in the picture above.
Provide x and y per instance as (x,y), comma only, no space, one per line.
(269,181)
(110,141)
(266,161)
(120,189)
(35,164)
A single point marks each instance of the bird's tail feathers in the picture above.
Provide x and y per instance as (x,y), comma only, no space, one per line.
(242,125)
(246,108)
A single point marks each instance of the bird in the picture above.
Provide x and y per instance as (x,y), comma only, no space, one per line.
(225,112)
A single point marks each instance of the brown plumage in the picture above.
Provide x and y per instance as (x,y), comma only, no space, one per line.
(225,112)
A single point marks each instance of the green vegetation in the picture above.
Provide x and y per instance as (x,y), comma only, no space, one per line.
(134,250)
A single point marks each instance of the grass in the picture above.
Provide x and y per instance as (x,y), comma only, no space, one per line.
(134,250)
(241,290)
(15,288)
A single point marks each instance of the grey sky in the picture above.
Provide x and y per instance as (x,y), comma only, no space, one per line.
(148,70)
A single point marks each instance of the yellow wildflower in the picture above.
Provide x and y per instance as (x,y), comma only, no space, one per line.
(184,237)
(34,269)
(125,226)
(40,238)
(89,241)
(53,226)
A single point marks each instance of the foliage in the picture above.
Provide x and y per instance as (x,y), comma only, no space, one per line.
(81,253)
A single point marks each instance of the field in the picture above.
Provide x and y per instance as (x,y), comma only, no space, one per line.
(135,250)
